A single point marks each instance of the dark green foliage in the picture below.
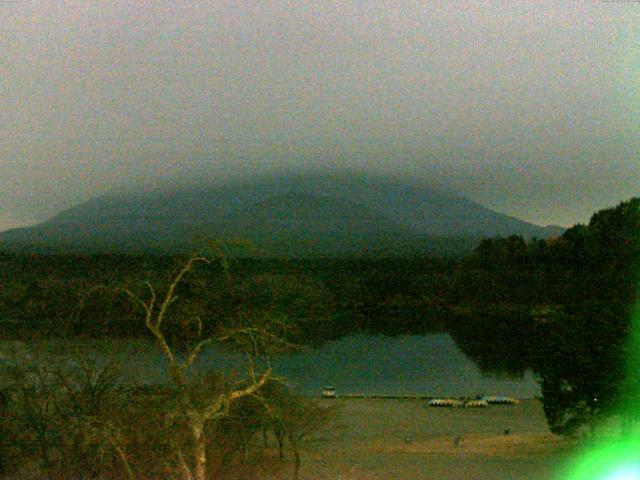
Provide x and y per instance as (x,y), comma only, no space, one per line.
(499,253)
(498,338)
(585,349)
(608,244)
(573,296)
(82,295)
(582,365)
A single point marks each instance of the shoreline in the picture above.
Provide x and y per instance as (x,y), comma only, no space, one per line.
(349,396)
(404,438)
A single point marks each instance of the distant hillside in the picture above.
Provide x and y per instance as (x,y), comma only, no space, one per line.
(294,215)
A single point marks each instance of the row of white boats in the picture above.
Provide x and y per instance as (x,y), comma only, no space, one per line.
(475,403)
(485,401)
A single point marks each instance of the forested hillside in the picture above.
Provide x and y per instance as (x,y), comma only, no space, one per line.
(562,307)
(84,295)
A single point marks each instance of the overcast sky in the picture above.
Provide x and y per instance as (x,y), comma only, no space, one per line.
(531,108)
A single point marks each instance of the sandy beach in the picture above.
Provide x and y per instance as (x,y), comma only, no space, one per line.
(406,439)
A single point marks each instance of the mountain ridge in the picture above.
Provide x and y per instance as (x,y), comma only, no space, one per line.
(349,213)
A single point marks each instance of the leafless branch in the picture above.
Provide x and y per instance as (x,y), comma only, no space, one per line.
(194,353)
(170,297)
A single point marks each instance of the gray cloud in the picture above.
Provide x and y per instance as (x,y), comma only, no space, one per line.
(528,107)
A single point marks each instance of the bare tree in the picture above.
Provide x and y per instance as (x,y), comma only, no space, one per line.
(293,418)
(199,414)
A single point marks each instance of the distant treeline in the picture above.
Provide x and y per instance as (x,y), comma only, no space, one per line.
(320,299)
(562,307)
(531,291)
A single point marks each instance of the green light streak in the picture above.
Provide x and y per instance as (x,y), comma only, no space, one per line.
(619,458)
(613,460)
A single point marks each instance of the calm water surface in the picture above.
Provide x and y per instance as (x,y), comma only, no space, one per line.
(413,364)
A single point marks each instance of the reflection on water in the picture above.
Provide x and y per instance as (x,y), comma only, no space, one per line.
(412,364)
(429,364)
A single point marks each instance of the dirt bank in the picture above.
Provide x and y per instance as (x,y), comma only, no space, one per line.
(405,439)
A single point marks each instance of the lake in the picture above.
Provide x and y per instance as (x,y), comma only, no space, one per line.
(359,364)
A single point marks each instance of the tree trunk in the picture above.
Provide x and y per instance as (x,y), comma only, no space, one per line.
(296,455)
(280,438)
(186,471)
(296,466)
(200,470)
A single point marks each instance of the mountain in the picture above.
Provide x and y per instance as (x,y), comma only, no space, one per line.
(288,214)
